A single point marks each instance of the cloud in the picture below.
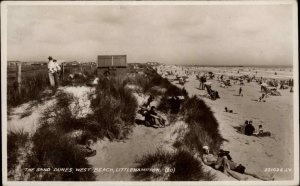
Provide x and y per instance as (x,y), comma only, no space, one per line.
(171,34)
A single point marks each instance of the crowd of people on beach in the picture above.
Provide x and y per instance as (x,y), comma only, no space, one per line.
(223,161)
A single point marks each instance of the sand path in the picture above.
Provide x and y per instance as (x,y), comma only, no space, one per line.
(276,115)
(142,140)
(26,116)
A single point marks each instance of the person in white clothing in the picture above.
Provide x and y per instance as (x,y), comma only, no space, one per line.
(53,70)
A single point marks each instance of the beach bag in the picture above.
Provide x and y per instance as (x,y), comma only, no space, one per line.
(240,169)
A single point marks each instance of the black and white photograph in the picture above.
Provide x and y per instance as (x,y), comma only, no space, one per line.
(150,92)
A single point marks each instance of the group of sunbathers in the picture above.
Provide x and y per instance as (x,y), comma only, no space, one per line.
(224,163)
(249,130)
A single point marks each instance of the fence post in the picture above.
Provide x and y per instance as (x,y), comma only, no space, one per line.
(19,78)
(62,70)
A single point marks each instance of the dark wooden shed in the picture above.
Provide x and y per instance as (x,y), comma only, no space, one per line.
(113,65)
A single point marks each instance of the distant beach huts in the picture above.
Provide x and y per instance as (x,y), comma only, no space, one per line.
(112,65)
(152,63)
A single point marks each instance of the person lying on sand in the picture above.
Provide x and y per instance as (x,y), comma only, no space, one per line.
(227,110)
(219,162)
(225,164)
(152,118)
(86,149)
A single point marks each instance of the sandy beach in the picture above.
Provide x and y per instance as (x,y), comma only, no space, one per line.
(258,154)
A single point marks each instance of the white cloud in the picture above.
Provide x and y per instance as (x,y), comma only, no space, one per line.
(233,35)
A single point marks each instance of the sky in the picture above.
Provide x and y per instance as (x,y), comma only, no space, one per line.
(194,34)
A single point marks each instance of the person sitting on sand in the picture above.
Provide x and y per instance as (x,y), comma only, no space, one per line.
(249,128)
(153,119)
(219,162)
(242,127)
(88,145)
(261,133)
(86,149)
(258,131)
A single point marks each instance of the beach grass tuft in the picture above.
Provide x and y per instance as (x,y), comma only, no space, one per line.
(185,166)
(204,128)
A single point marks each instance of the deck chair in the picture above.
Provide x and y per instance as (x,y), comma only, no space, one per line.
(227,83)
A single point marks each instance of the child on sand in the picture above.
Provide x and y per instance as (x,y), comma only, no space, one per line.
(261,133)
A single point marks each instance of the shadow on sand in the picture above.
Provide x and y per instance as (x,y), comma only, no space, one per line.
(142,122)
(199,88)
(238,129)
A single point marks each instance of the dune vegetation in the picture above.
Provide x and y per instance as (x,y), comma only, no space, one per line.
(203,129)
(61,135)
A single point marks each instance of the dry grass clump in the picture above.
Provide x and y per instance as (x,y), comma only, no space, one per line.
(15,141)
(114,108)
(187,168)
(204,128)
(53,148)
(31,89)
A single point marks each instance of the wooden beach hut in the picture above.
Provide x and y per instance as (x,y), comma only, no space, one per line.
(112,65)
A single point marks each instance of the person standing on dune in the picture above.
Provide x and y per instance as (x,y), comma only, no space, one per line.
(53,69)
